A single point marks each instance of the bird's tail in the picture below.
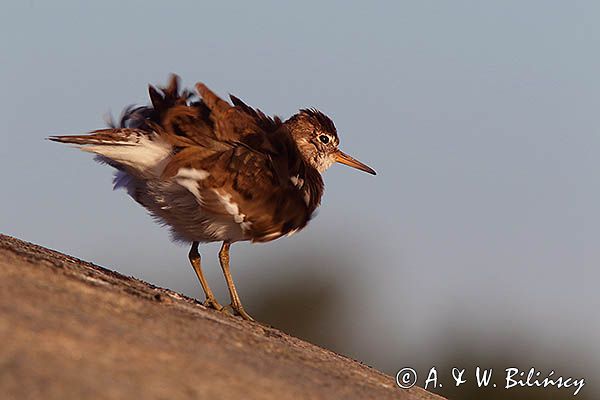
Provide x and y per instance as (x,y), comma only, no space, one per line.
(132,149)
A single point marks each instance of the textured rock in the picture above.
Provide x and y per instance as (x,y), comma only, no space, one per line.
(73,330)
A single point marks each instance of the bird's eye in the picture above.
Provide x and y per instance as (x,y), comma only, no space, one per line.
(324,139)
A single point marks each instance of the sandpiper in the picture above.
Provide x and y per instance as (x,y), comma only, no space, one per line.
(215,171)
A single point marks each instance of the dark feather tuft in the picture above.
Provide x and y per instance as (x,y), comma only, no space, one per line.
(323,120)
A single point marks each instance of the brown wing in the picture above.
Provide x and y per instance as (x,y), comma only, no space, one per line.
(176,114)
(252,181)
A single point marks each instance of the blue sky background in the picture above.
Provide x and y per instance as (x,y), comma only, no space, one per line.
(478,237)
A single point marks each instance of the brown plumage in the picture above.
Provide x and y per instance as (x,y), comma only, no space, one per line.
(215,171)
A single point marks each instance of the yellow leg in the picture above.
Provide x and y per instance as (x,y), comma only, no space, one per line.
(236,304)
(210,301)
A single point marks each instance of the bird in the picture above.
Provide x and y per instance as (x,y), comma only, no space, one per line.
(218,171)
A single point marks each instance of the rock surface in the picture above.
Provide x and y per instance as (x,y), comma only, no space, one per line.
(73,330)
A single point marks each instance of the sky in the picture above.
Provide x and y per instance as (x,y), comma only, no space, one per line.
(480,231)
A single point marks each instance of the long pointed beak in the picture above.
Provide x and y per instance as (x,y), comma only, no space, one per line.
(344,158)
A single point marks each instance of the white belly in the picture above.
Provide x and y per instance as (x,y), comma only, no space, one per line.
(177,207)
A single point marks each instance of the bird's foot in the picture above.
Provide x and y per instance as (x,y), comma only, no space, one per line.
(237,310)
(213,303)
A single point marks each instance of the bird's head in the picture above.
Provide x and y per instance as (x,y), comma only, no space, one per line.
(317,139)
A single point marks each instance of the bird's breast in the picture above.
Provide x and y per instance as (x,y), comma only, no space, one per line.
(195,210)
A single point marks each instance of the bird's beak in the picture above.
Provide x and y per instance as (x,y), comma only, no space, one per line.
(344,158)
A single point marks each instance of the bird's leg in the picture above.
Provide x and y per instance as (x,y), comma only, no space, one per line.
(210,301)
(236,304)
